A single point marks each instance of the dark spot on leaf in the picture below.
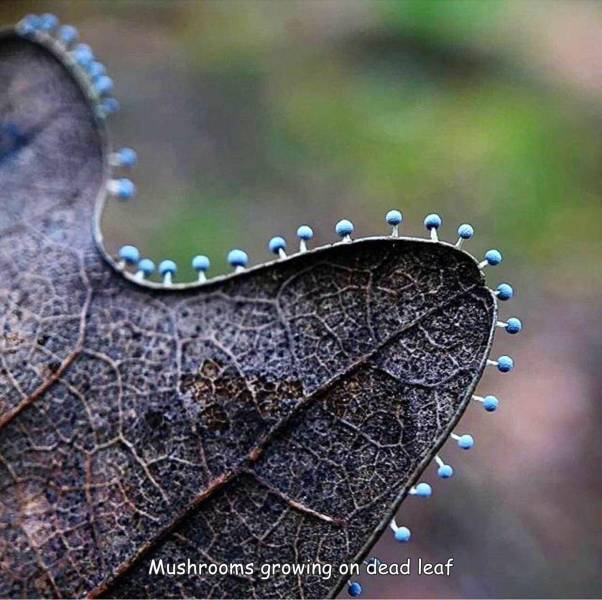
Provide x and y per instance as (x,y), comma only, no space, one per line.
(54,366)
(154,419)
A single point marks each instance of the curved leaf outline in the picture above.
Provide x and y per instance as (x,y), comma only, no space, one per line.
(309,392)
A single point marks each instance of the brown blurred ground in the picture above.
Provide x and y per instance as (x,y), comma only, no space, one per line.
(251,118)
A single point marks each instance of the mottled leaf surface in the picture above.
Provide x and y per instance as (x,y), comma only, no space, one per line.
(276,416)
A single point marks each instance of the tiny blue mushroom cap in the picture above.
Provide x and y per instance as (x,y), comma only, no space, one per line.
(505,364)
(126,189)
(238,258)
(466,442)
(505,291)
(445,471)
(354,589)
(432,221)
(344,228)
(167,266)
(130,254)
(110,105)
(34,20)
(276,244)
(25,29)
(305,232)
(29,25)
(513,325)
(83,55)
(48,22)
(490,403)
(147,266)
(68,34)
(493,257)
(423,490)
(403,534)
(201,263)
(465,231)
(96,69)
(127,157)
(393,217)
(104,85)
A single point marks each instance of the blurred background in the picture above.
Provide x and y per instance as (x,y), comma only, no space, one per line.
(251,118)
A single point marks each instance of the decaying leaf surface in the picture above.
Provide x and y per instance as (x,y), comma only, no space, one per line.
(275,417)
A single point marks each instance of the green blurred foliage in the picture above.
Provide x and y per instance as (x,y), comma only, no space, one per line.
(319,110)
(410,107)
